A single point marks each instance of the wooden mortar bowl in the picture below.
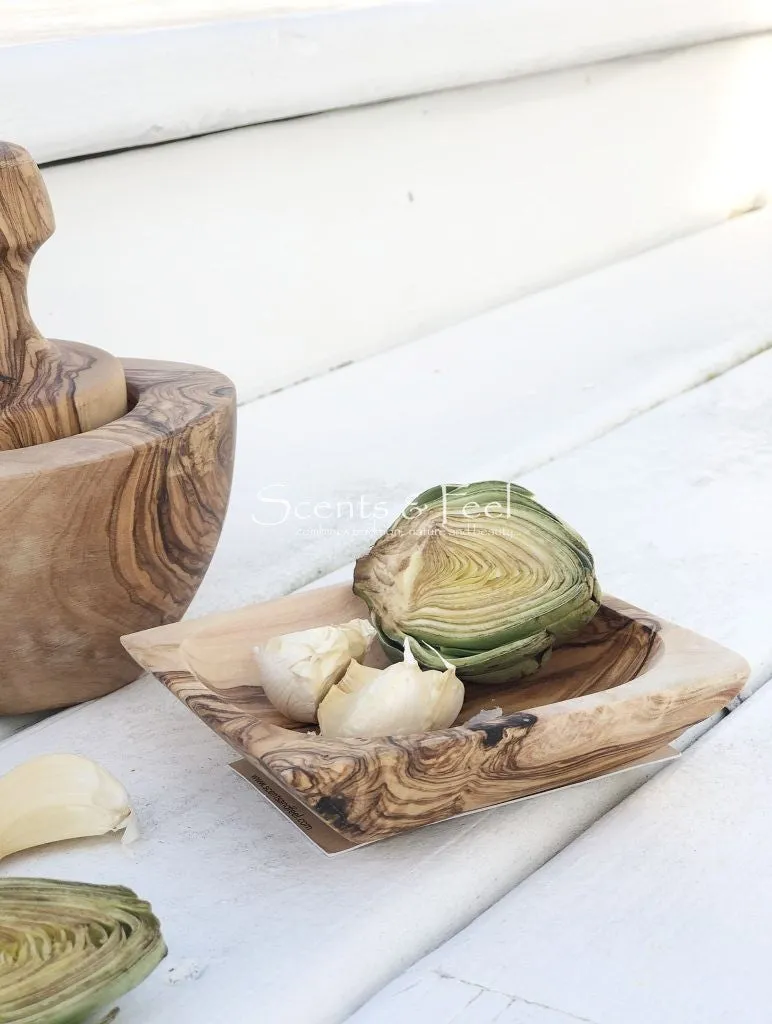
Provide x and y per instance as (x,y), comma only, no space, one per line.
(623,687)
(110,531)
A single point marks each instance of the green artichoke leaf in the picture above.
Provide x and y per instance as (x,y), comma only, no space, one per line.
(481,575)
(68,949)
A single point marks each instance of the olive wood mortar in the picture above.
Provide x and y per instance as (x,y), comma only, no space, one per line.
(114,483)
(624,686)
(107,531)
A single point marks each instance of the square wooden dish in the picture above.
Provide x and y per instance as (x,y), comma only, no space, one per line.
(619,690)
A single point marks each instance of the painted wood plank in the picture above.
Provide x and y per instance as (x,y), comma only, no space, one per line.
(275,253)
(441,999)
(676,478)
(491,397)
(10,724)
(161,77)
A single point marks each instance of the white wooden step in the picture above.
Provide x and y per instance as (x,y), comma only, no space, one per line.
(277,252)
(249,908)
(163,76)
(489,398)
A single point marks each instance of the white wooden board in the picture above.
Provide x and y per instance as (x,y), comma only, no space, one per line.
(491,397)
(275,253)
(162,76)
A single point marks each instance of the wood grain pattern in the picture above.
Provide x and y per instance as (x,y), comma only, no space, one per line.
(48,390)
(109,530)
(622,688)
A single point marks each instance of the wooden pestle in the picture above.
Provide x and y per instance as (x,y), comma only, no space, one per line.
(48,389)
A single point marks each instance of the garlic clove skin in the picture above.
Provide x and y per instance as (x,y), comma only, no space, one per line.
(56,797)
(297,669)
(396,701)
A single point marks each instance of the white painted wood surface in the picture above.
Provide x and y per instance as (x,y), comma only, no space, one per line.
(25,20)
(279,251)
(445,999)
(489,398)
(251,61)
(659,499)
(659,913)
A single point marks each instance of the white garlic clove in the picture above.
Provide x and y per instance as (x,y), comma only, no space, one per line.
(356,676)
(297,669)
(359,634)
(56,797)
(395,701)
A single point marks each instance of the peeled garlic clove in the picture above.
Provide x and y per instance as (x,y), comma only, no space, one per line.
(59,796)
(297,669)
(396,701)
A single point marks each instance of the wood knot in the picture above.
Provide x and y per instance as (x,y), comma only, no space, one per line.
(493,732)
(334,809)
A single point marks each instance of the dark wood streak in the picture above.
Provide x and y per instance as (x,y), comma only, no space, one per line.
(494,733)
(621,689)
(116,527)
(173,492)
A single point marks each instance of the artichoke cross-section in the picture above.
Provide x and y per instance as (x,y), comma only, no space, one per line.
(481,576)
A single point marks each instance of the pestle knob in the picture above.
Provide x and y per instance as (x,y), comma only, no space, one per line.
(48,389)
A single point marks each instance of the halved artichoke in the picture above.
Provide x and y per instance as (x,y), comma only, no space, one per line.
(67,949)
(482,576)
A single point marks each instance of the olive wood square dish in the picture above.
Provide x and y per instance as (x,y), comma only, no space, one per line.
(617,692)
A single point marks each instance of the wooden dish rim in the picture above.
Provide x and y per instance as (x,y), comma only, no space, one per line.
(671,668)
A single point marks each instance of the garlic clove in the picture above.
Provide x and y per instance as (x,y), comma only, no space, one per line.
(356,676)
(359,634)
(297,669)
(395,701)
(56,797)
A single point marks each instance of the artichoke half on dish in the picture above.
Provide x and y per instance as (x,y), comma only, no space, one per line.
(481,576)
